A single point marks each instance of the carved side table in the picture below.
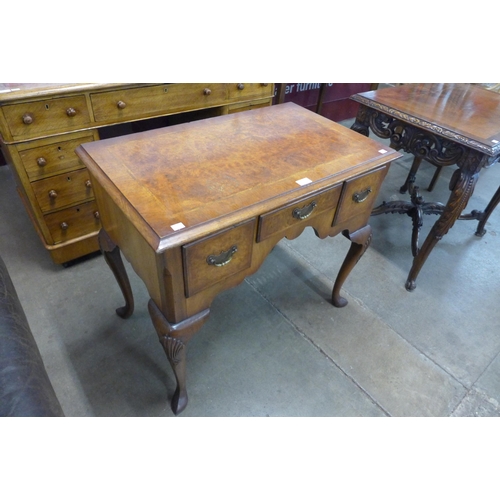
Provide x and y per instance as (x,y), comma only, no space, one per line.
(445,124)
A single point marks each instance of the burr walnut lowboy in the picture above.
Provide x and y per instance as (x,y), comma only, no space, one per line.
(197,207)
(41,124)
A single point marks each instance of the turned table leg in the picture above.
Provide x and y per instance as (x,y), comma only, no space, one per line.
(480,231)
(360,240)
(113,258)
(412,175)
(174,339)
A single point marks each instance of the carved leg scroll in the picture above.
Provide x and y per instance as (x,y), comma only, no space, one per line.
(360,240)
(174,339)
(113,258)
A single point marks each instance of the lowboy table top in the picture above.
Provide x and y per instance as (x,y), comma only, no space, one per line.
(465,113)
(207,174)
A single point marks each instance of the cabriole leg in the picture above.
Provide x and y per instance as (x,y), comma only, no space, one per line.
(174,339)
(360,240)
(112,256)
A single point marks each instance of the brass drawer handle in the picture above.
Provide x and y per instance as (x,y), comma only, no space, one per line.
(304,212)
(41,162)
(97,215)
(64,226)
(223,259)
(121,105)
(71,112)
(207,91)
(53,194)
(241,86)
(28,119)
(361,196)
(88,184)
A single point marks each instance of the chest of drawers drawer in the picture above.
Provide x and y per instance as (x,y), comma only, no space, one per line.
(359,194)
(62,190)
(127,104)
(51,159)
(73,222)
(215,258)
(298,213)
(41,118)
(243,91)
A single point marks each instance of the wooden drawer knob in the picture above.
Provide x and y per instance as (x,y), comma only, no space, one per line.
(88,184)
(207,92)
(64,226)
(41,162)
(28,119)
(71,112)
(53,194)
(121,105)
(241,86)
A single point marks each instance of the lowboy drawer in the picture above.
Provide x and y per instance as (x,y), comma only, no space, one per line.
(359,194)
(73,222)
(299,212)
(63,190)
(216,257)
(127,104)
(43,118)
(51,159)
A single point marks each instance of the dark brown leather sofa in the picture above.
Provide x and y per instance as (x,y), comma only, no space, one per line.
(25,388)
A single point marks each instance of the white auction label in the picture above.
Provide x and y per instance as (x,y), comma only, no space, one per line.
(178,226)
(304,181)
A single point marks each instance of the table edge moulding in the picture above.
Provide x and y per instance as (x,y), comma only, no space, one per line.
(41,124)
(197,207)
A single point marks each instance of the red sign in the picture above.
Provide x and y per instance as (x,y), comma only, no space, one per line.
(336,103)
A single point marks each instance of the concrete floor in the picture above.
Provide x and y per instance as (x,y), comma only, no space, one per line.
(275,346)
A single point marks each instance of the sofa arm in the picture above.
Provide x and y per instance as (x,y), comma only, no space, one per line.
(25,388)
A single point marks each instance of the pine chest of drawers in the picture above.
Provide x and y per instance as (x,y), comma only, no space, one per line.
(41,125)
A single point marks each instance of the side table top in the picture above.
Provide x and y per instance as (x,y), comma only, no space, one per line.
(186,181)
(462,112)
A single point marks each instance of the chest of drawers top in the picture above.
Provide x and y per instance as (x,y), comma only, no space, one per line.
(33,111)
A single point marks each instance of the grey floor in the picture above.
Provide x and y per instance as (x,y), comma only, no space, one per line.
(275,346)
